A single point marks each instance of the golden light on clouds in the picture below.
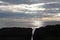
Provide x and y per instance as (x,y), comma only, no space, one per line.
(47,19)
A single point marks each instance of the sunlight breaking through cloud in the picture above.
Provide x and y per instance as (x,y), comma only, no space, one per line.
(11,12)
(26,8)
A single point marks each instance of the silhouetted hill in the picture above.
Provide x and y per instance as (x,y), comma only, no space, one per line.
(49,32)
(15,33)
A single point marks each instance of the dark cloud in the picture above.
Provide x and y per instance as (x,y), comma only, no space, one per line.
(16,1)
(16,15)
(53,5)
(51,22)
(51,11)
(52,8)
(28,1)
(23,15)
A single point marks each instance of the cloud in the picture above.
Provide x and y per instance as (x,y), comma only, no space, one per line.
(57,15)
(29,1)
(21,13)
(4,3)
(32,8)
(27,23)
(51,23)
(52,5)
(16,15)
(28,10)
(37,9)
(11,22)
(22,8)
(17,1)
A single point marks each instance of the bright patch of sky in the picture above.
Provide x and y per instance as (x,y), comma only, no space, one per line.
(15,11)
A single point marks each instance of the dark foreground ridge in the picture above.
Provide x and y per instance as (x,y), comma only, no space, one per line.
(49,32)
(15,33)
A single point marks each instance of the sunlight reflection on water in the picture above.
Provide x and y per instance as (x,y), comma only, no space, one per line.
(37,24)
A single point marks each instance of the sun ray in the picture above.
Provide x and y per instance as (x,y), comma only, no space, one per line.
(37,24)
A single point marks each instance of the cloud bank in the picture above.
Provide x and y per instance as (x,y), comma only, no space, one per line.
(15,12)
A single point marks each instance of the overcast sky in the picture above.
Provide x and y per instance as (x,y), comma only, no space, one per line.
(22,13)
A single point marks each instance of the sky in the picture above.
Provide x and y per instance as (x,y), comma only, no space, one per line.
(29,13)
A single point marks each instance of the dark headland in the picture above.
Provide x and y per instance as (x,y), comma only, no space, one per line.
(49,32)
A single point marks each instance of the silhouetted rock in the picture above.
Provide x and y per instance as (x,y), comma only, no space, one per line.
(15,33)
(49,32)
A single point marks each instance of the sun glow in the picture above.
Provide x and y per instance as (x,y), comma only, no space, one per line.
(37,24)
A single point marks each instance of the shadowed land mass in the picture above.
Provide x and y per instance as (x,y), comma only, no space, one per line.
(49,32)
